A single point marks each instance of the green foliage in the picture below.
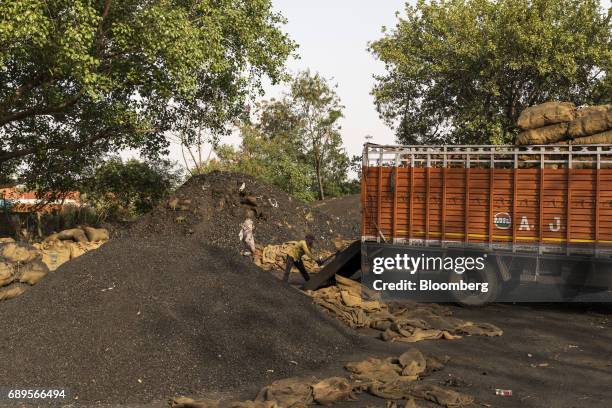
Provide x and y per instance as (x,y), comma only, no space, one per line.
(294,143)
(273,160)
(461,71)
(119,190)
(84,78)
(317,107)
(6,177)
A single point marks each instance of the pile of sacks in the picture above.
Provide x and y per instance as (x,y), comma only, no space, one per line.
(562,122)
(23,265)
(392,378)
(358,306)
(20,266)
(274,257)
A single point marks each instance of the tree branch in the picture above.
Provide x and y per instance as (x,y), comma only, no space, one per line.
(21,90)
(41,110)
(104,134)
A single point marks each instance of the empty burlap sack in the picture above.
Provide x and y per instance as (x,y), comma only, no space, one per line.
(252,404)
(288,393)
(410,334)
(32,272)
(96,234)
(479,329)
(331,390)
(441,396)
(185,402)
(546,114)
(596,122)
(14,252)
(543,135)
(410,403)
(374,369)
(11,292)
(599,138)
(7,273)
(412,362)
(406,367)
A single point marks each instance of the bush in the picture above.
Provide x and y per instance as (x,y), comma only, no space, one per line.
(120,190)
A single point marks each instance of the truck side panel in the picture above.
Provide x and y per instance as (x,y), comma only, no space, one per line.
(496,206)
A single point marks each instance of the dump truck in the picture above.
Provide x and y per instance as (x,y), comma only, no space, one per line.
(535,214)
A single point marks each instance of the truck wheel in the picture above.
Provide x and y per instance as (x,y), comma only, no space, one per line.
(477,298)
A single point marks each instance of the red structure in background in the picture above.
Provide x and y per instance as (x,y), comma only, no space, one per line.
(17,201)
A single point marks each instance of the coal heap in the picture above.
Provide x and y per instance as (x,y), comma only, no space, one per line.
(170,308)
(211,208)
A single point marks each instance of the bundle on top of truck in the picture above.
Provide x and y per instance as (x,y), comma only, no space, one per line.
(542,213)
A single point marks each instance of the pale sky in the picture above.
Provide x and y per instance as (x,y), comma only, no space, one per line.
(333,36)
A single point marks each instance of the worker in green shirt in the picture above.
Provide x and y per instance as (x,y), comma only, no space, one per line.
(295,254)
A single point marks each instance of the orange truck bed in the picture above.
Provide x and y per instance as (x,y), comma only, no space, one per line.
(555,199)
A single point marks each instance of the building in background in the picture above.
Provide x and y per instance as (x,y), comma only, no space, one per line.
(17,200)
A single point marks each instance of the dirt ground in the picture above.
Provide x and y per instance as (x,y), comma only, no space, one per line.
(550,356)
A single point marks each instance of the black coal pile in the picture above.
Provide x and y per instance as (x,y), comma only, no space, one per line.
(346,212)
(211,208)
(171,309)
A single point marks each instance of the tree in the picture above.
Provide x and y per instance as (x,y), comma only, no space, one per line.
(317,107)
(118,189)
(193,150)
(294,142)
(271,159)
(461,71)
(82,78)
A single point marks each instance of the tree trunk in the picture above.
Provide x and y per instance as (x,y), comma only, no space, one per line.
(319,181)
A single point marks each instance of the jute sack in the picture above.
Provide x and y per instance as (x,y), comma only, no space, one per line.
(599,138)
(14,252)
(33,272)
(77,249)
(75,234)
(546,114)
(96,234)
(7,273)
(55,254)
(332,390)
(288,392)
(11,292)
(596,122)
(587,110)
(6,240)
(543,135)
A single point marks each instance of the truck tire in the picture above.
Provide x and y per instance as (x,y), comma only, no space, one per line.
(477,298)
